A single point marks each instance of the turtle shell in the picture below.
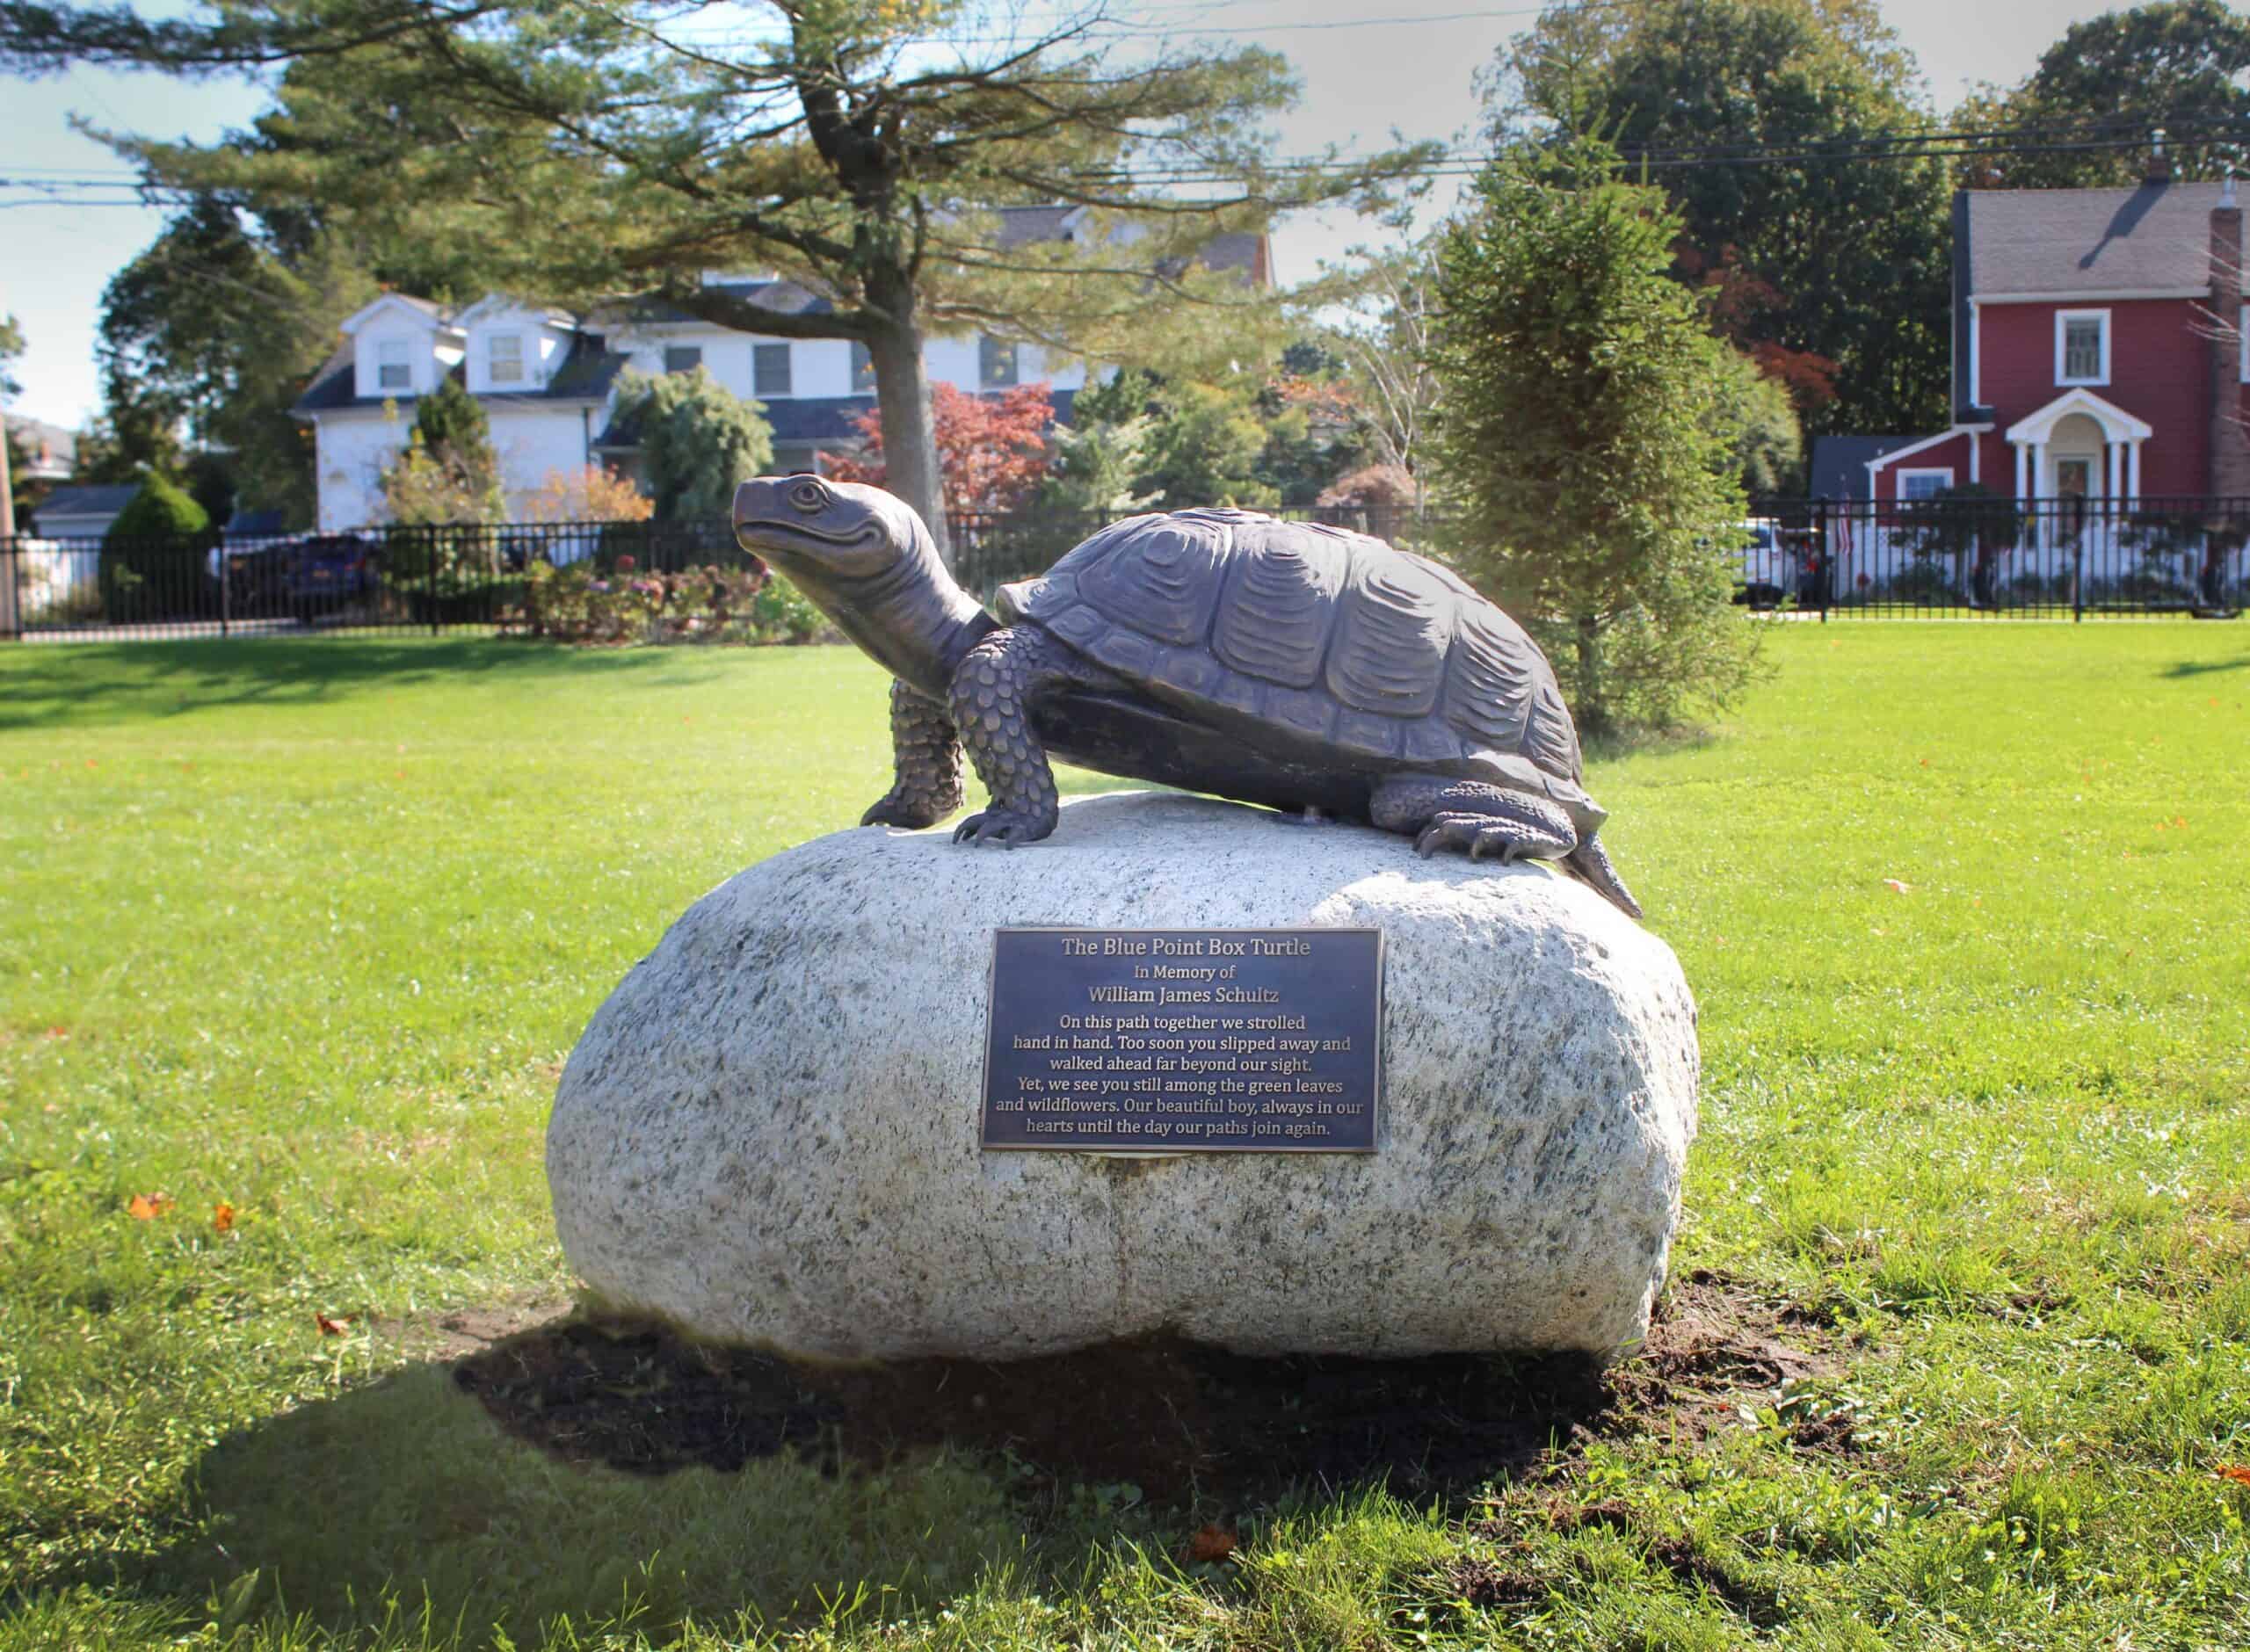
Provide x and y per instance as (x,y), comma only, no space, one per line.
(1329,639)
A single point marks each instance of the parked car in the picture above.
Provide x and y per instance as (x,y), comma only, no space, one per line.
(324,571)
(1770,568)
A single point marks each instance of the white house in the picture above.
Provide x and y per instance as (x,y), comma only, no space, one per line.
(547,379)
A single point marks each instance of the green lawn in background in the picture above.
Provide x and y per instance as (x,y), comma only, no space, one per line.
(308,928)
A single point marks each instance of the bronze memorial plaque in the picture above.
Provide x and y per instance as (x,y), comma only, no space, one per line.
(1185,1041)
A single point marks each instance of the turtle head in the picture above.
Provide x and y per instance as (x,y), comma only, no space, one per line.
(867,561)
(824,535)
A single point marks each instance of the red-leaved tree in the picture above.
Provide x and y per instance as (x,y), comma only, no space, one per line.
(992,449)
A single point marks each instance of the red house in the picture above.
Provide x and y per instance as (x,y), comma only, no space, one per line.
(2098,350)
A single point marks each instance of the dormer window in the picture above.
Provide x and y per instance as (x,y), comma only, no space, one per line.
(393,371)
(504,358)
(2082,346)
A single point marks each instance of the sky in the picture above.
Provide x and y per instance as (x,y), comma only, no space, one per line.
(1369,71)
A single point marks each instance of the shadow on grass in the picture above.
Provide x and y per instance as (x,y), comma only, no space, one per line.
(2204,668)
(607,1470)
(403,1495)
(112,682)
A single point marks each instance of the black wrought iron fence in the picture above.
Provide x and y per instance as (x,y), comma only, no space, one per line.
(474,575)
(2078,558)
(1956,556)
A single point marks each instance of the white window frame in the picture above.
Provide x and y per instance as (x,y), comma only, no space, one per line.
(493,364)
(2063,320)
(392,352)
(757,385)
(1907,474)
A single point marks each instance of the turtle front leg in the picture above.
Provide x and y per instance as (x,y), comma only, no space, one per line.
(927,749)
(1474,816)
(993,692)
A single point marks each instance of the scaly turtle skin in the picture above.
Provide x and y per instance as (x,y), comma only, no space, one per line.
(1302,667)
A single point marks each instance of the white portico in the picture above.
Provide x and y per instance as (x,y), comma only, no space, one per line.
(2078,447)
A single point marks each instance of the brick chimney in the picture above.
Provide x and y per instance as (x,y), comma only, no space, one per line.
(2159,164)
(2230,444)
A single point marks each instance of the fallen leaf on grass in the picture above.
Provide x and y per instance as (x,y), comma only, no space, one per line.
(1212,1543)
(332,1327)
(1897,888)
(147,1206)
(2238,1473)
(223,1216)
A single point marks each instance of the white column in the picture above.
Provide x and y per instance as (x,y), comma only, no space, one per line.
(2113,470)
(2022,454)
(2133,471)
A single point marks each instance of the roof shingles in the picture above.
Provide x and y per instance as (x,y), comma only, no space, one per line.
(2153,238)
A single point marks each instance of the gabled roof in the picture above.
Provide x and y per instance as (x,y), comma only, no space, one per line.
(584,375)
(427,309)
(504,304)
(2118,425)
(105,499)
(2149,239)
(1840,463)
(1022,224)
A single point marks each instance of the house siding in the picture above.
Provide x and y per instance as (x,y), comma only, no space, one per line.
(2159,371)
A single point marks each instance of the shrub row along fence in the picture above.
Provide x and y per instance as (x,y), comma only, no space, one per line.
(690,580)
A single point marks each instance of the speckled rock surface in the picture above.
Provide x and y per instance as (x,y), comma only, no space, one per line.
(769,1131)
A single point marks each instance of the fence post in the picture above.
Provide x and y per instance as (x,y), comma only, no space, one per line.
(2078,578)
(436,629)
(11,616)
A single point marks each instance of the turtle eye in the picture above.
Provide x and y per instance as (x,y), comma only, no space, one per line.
(808,496)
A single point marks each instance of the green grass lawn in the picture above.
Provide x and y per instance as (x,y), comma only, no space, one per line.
(306,929)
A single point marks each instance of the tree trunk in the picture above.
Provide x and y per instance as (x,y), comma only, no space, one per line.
(910,435)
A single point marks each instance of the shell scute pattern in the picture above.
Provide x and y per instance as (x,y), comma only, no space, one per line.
(1280,598)
(1163,583)
(1551,740)
(1489,678)
(1394,624)
(1333,637)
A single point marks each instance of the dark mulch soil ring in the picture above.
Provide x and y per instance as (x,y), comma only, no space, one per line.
(1175,1419)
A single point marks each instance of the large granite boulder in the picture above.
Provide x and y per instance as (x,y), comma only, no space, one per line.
(769,1133)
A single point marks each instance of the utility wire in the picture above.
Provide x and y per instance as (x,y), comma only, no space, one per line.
(127,189)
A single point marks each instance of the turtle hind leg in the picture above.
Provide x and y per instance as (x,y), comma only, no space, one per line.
(993,692)
(1473,816)
(1590,863)
(929,784)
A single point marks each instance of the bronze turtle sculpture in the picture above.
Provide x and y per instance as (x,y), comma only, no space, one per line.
(1303,667)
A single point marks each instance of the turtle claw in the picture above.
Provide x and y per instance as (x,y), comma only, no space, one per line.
(896,810)
(1485,837)
(1000,826)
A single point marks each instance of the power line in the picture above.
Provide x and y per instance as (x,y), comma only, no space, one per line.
(120,188)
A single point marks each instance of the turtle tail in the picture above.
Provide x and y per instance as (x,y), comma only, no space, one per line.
(1590,863)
